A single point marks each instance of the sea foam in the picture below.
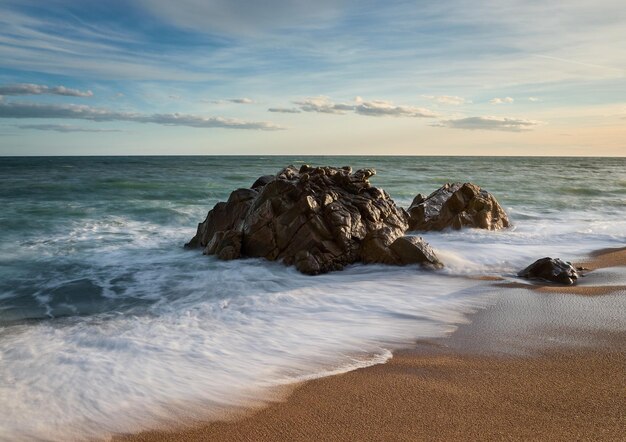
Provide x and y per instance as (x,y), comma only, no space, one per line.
(234,330)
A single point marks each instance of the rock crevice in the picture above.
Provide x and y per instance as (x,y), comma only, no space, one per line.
(457,205)
(316,218)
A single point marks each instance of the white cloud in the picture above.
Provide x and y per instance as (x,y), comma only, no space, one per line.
(377,108)
(498,100)
(490,123)
(81,112)
(373,108)
(323,105)
(533,99)
(284,110)
(64,128)
(447,99)
(39,89)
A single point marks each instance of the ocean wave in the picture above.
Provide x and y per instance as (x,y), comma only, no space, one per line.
(241,328)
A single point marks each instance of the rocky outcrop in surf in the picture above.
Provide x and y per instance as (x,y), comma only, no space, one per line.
(552,270)
(457,205)
(316,218)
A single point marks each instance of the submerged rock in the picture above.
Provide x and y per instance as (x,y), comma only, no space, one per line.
(457,205)
(316,218)
(549,269)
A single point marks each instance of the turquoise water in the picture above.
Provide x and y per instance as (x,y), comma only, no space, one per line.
(105,320)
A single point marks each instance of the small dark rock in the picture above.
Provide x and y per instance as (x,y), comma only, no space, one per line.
(553,270)
(414,250)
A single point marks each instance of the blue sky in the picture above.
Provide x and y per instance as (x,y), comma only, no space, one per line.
(326,77)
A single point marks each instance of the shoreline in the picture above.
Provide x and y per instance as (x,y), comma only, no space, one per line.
(541,363)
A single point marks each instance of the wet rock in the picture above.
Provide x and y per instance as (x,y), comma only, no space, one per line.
(414,250)
(553,270)
(318,219)
(226,244)
(384,247)
(262,181)
(455,206)
(375,247)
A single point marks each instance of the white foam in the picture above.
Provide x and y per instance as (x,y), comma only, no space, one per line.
(240,328)
(220,334)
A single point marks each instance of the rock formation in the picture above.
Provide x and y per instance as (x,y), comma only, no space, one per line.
(318,219)
(553,270)
(457,205)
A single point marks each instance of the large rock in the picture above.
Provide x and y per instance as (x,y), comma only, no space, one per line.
(553,270)
(318,219)
(457,205)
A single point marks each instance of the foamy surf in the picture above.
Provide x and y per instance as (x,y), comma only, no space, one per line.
(242,328)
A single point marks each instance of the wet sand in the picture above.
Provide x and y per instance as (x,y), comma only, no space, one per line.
(543,364)
(605,258)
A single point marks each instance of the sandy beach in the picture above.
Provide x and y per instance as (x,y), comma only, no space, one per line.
(544,364)
(312,221)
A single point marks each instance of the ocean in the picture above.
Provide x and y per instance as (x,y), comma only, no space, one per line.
(108,325)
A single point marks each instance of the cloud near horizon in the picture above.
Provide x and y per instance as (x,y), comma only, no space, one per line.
(243,100)
(284,110)
(40,89)
(64,128)
(498,100)
(447,99)
(372,108)
(490,123)
(82,112)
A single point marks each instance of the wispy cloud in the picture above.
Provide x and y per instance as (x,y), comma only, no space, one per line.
(323,105)
(39,89)
(372,108)
(246,17)
(498,100)
(243,100)
(65,128)
(284,110)
(447,99)
(379,108)
(533,99)
(490,123)
(81,112)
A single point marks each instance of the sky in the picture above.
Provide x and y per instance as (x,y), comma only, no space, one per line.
(344,77)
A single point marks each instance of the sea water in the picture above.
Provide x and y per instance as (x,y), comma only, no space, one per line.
(108,325)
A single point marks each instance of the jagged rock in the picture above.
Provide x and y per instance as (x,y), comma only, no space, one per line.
(384,247)
(316,218)
(553,270)
(375,247)
(414,250)
(226,244)
(457,205)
